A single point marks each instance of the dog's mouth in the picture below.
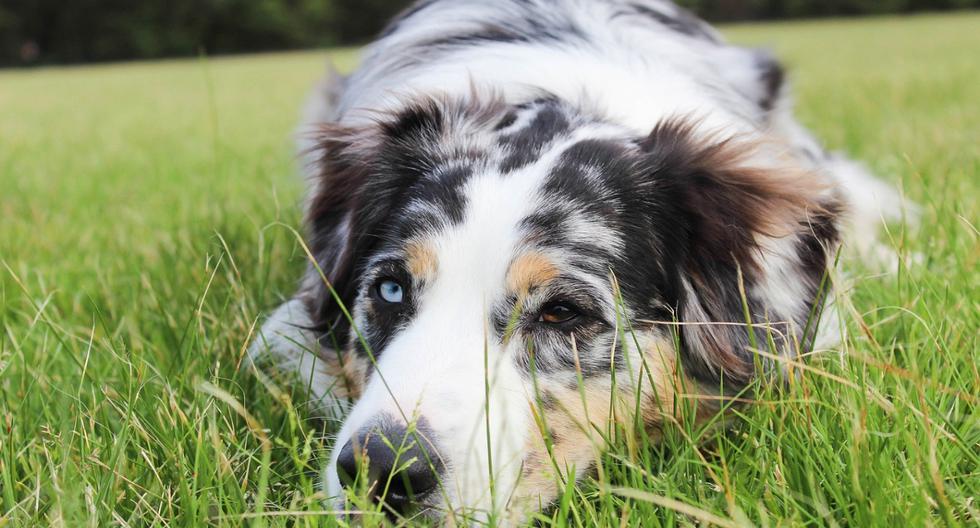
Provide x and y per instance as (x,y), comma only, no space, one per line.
(399,505)
(395,507)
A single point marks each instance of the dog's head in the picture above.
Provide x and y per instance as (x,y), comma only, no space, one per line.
(498,285)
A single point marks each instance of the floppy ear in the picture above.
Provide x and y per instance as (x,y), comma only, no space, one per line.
(340,216)
(752,246)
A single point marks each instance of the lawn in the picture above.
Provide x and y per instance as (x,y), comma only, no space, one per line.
(147,219)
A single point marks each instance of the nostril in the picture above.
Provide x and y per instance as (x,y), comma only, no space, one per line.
(405,476)
(402,465)
(347,464)
(416,480)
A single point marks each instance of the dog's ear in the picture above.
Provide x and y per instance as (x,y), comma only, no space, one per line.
(751,235)
(340,217)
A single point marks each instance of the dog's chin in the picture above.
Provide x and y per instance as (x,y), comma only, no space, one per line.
(420,512)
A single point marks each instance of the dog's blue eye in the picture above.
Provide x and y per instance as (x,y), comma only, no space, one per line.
(390,291)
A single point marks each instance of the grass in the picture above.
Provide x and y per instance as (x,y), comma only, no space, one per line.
(145,215)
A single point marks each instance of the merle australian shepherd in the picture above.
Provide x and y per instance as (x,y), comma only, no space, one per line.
(534,220)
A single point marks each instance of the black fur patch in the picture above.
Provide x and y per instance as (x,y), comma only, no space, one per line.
(487,34)
(525,145)
(386,318)
(772,76)
(535,24)
(682,21)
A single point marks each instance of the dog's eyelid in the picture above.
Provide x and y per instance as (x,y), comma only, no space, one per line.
(387,264)
(581,295)
(392,268)
(586,308)
(559,312)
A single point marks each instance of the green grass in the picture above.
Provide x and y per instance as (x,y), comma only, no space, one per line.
(144,227)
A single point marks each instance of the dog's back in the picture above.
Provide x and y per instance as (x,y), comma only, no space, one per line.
(639,61)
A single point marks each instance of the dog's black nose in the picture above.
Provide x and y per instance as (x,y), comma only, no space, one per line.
(402,465)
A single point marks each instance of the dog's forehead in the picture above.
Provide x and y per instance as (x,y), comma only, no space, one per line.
(522,177)
(482,229)
(538,179)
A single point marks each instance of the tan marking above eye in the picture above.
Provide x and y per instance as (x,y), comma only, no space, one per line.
(529,271)
(421,260)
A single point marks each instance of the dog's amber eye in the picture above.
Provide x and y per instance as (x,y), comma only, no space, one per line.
(557,313)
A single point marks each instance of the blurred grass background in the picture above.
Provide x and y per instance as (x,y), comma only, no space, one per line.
(145,224)
(36,32)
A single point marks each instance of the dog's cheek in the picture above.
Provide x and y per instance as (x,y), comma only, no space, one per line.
(349,369)
(560,439)
(565,438)
(666,392)
(568,419)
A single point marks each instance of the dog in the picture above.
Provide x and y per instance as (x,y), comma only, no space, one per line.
(531,220)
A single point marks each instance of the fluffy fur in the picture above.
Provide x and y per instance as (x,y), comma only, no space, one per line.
(501,162)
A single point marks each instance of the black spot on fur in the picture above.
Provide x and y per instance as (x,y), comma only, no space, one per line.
(418,122)
(772,76)
(525,145)
(509,118)
(681,21)
(535,25)
(547,401)
(444,192)
(590,176)
(487,34)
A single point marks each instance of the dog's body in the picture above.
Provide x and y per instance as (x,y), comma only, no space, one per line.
(538,212)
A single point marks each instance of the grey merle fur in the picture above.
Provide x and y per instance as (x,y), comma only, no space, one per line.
(691,225)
